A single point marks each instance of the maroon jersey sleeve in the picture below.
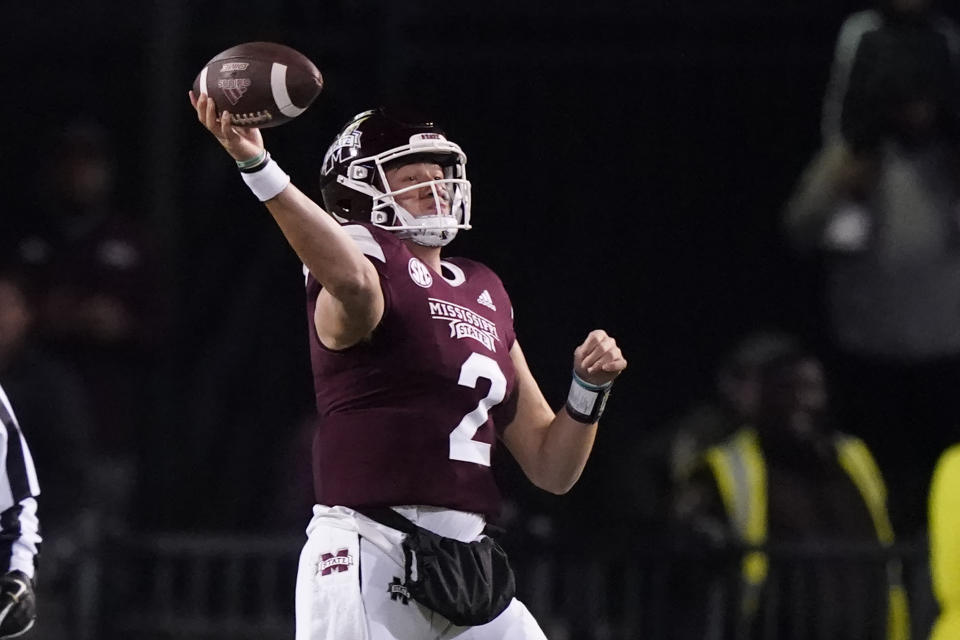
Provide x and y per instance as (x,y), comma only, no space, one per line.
(411,415)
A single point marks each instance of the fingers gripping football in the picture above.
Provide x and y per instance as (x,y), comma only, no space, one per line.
(241,143)
(598,360)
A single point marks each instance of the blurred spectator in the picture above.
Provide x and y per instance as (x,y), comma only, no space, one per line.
(894,77)
(51,403)
(790,478)
(945,543)
(96,296)
(735,402)
(668,455)
(880,204)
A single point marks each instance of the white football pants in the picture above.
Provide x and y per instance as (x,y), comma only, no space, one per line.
(350,582)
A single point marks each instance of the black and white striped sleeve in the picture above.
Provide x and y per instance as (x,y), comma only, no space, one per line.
(19,526)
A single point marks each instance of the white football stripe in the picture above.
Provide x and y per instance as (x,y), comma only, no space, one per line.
(278,84)
(203,82)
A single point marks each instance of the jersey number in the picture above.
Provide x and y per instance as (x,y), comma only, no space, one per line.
(462,445)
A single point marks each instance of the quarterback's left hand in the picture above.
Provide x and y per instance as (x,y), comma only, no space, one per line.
(598,360)
(18,605)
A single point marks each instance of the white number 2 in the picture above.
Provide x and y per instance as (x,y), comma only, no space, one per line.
(462,445)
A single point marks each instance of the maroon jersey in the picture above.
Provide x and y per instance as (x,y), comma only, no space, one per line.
(412,415)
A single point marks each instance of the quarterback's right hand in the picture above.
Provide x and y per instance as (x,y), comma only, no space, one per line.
(242,143)
(18,604)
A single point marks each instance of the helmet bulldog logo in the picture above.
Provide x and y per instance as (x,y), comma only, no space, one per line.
(335,154)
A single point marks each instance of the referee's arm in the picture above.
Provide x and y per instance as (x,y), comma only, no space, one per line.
(19,526)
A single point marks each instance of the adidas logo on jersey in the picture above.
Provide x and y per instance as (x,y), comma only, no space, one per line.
(486,300)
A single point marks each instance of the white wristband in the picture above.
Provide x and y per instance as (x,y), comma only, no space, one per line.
(268,182)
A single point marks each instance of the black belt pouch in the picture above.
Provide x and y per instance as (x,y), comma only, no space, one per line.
(468,583)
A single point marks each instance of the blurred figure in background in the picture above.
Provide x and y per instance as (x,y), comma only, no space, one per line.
(945,543)
(90,265)
(736,400)
(880,205)
(791,477)
(668,455)
(50,399)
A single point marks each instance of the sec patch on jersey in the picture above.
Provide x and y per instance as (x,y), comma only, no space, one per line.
(261,84)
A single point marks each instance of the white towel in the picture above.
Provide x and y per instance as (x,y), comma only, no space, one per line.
(328,601)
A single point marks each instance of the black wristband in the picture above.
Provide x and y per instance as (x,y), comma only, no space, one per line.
(254,164)
(586,402)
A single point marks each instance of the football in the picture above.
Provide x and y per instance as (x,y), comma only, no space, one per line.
(261,84)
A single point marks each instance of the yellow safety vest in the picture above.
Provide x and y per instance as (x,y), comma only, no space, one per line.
(741,473)
(945,543)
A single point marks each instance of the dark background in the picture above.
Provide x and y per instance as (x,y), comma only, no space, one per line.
(629,163)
